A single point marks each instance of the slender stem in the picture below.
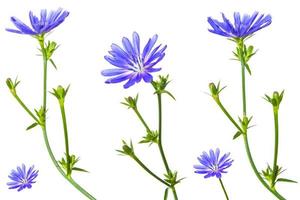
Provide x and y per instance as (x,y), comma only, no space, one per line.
(141,119)
(275,109)
(244,90)
(245,136)
(26,108)
(228,115)
(78,187)
(63,115)
(148,170)
(161,150)
(69,179)
(256,171)
(174,192)
(224,190)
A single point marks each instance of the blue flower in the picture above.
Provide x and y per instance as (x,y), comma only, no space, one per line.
(21,178)
(211,165)
(133,64)
(46,23)
(242,27)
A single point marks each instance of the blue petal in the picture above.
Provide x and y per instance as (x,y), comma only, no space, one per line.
(13,31)
(136,43)
(150,69)
(132,80)
(21,26)
(117,63)
(119,78)
(113,72)
(147,77)
(149,46)
(120,52)
(127,45)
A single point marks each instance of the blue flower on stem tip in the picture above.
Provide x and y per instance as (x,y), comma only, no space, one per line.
(212,165)
(133,64)
(47,22)
(21,178)
(242,27)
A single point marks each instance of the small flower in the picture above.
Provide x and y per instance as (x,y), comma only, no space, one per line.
(21,178)
(242,27)
(45,24)
(211,165)
(132,63)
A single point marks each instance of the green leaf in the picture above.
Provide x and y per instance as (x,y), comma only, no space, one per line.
(286,180)
(79,169)
(248,68)
(53,64)
(166,194)
(168,93)
(31,126)
(237,135)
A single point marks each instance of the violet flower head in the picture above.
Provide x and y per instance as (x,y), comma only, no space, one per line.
(212,165)
(39,26)
(242,27)
(21,178)
(133,64)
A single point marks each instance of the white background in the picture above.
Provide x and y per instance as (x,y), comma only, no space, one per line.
(192,124)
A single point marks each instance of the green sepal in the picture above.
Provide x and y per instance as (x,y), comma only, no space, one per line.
(131,102)
(31,126)
(171,178)
(127,150)
(50,48)
(215,90)
(41,113)
(276,98)
(151,137)
(12,85)
(272,175)
(245,122)
(161,84)
(60,92)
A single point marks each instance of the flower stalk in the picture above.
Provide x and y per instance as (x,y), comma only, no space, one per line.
(223,188)
(38,30)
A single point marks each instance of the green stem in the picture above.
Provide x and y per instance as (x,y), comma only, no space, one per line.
(78,187)
(69,179)
(161,150)
(245,136)
(275,109)
(224,190)
(148,170)
(256,171)
(228,115)
(26,108)
(63,115)
(141,119)
(174,193)
(244,90)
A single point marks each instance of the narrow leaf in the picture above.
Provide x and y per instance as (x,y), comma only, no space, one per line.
(237,135)
(286,180)
(248,68)
(31,126)
(52,62)
(79,169)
